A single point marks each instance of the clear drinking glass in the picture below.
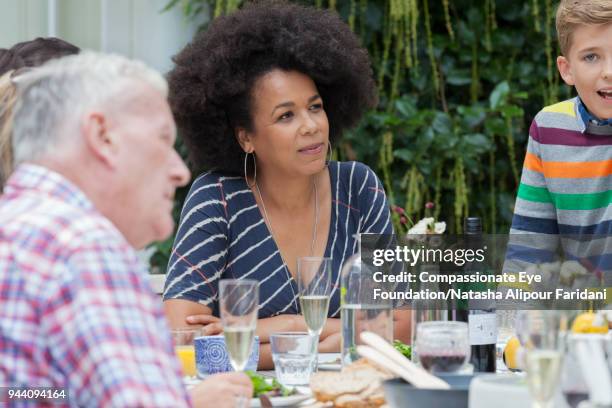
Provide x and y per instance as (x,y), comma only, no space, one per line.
(426,310)
(505,330)
(359,310)
(542,334)
(573,385)
(239,303)
(314,285)
(294,355)
(184,348)
(444,347)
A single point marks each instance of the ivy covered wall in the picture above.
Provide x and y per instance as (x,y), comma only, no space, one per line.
(459,83)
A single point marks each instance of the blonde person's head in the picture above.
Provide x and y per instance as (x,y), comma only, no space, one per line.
(575,13)
(18,59)
(7,102)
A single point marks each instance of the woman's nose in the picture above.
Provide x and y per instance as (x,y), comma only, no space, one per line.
(309,125)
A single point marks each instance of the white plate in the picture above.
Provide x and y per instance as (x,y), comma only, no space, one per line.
(329,362)
(303,393)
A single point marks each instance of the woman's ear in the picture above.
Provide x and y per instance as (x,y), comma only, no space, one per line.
(244,139)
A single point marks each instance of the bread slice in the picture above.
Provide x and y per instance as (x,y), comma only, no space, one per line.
(357,386)
(328,386)
(352,401)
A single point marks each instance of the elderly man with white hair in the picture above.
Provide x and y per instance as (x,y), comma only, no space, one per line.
(93,140)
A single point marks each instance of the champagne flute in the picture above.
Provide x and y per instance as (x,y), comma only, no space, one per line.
(239,303)
(542,333)
(314,286)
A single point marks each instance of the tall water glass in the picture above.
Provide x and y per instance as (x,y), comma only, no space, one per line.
(239,303)
(542,332)
(314,285)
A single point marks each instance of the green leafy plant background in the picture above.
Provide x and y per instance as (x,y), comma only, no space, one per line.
(459,83)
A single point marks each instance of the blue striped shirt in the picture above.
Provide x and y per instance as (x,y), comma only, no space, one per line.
(222,235)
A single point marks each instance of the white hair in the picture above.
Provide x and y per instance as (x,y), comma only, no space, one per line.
(52,98)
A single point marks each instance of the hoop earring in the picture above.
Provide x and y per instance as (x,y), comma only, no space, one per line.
(329,148)
(246,156)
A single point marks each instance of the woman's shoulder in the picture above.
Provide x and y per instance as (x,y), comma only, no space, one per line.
(355,171)
(214,187)
(215,183)
(216,178)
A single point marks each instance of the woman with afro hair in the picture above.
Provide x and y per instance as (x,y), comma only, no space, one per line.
(259,98)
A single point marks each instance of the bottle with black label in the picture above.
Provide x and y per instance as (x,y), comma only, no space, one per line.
(480,316)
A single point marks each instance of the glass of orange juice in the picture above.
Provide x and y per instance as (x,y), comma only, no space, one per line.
(184,348)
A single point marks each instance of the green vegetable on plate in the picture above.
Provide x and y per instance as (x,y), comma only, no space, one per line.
(269,386)
(403,348)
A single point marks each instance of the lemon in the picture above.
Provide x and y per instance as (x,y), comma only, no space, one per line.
(511,353)
(590,322)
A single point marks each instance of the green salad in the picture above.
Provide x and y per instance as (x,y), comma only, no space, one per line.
(269,386)
(403,348)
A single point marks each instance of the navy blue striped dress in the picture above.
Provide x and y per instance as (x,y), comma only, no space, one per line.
(222,235)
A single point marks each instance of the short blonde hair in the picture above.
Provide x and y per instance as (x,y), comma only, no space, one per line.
(574,13)
(7,102)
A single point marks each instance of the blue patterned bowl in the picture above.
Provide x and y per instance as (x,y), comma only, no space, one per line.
(212,357)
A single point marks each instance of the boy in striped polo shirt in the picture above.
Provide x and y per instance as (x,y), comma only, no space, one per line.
(566,184)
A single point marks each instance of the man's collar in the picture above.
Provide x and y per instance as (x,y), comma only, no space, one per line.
(593,125)
(32,177)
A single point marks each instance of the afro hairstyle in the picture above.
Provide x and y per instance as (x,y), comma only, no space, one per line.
(211,85)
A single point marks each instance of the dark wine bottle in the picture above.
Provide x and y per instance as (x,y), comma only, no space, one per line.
(480,316)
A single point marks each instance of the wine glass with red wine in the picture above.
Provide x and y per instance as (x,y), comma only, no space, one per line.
(443,347)
(573,385)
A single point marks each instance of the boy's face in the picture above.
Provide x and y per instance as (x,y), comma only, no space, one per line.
(588,67)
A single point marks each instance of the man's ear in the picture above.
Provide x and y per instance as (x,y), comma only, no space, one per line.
(564,69)
(99,141)
(244,139)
